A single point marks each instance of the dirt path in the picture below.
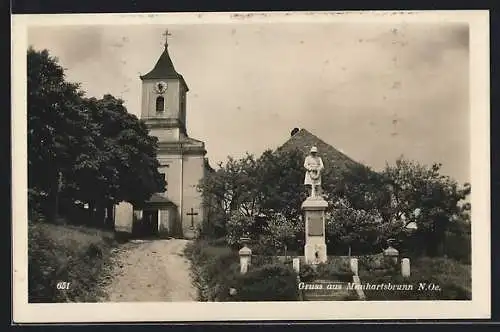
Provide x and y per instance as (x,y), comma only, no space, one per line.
(152,271)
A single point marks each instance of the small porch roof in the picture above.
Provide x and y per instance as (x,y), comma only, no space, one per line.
(158,200)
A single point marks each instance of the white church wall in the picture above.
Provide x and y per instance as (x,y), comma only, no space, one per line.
(165,134)
(124,217)
(167,221)
(193,172)
(173,178)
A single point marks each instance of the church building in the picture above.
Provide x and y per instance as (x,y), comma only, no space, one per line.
(178,212)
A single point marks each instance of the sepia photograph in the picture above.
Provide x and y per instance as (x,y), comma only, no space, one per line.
(267,159)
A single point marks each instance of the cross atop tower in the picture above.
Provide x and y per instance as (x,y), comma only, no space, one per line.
(166,34)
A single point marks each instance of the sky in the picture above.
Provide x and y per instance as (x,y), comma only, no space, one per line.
(373,91)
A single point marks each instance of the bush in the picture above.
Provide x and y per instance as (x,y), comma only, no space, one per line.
(453,279)
(262,246)
(377,265)
(36,203)
(218,242)
(445,271)
(282,231)
(214,226)
(259,260)
(458,245)
(238,225)
(270,282)
(340,272)
(307,273)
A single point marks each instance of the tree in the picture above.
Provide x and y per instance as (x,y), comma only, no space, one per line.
(283,232)
(400,194)
(233,186)
(238,225)
(364,189)
(123,164)
(437,197)
(102,153)
(54,124)
(357,230)
(281,183)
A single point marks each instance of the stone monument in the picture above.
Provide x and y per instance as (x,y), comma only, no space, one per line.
(314,208)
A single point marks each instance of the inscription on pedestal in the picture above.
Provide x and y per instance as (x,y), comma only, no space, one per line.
(315,224)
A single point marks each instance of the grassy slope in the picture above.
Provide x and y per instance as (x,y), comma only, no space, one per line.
(74,254)
(210,265)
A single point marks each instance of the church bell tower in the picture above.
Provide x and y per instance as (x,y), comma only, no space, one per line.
(164,99)
(182,158)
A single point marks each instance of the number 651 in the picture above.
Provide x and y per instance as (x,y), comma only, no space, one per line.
(63,285)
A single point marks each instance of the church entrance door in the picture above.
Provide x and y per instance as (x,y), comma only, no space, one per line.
(148,226)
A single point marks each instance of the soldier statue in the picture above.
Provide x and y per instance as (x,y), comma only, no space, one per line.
(313,165)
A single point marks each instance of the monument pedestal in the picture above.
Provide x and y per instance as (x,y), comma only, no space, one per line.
(314,215)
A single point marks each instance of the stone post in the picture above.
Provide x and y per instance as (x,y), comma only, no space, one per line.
(314,216)
(354,266)
(296,265)
(245,258)
(124,218)
(405,267)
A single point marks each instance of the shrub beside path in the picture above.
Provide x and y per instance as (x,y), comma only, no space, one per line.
(152,271)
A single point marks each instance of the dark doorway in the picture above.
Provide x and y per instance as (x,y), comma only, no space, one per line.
(148,226)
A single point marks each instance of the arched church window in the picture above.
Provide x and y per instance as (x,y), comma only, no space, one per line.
(160,104)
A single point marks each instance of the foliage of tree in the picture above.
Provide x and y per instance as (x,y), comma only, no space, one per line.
(283,233)
(379,206)
(364,189)
(123,165)
(281,183)
(238,225)
(84,149)
(54,123)
(249,188)
(270,184)
(355,231)
(437,197)
(233,186)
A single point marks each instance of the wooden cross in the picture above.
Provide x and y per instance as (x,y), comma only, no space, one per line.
(166,34)
(192,214)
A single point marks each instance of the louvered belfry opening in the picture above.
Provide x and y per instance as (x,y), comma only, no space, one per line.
(160,104)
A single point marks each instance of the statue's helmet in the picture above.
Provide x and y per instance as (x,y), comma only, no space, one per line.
(314,149)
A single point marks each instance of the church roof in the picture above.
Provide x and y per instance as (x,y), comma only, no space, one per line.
(303,140)
(164,69)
